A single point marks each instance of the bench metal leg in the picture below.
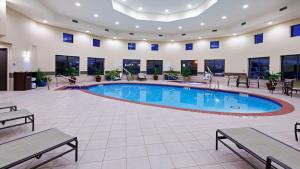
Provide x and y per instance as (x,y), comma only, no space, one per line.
(76,150)
(296,130)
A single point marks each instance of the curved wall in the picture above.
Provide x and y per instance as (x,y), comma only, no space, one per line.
(44,42)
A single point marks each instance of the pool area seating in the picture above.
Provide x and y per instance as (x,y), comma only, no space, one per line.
(33,146)
(242,79)
(295,87)
(141,77)
(17,115)
(8,105)
(264,148)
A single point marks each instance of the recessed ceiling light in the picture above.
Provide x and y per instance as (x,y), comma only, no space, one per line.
(77,4)
(172,40)
(179,27)
(137,26)
(159,28)
(199,37)
(224,17)
(140,8)
(245,6)
(96,15)
(87,31)
(123,0)
(270,23)
(117,22)
(234,34)
(189,6)
(114,37)
(202,23)
(144,39)
(167,11)
(45,21)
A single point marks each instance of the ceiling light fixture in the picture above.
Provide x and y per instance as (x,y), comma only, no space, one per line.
(189,6)
(137,26)
(144,39)
(117,22)
(96,15)
(77,4)
(114,37)
(245,6)
(179,27)
(234,34)
(270,23)
(167,11)
(159,28)
(140,8)
(224,17)
(87,31)
(123,0)
(172,40)
(202,23)
(45,21)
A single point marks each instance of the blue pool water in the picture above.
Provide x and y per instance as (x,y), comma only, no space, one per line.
(187,98)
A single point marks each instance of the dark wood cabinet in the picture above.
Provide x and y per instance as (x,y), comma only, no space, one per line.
(22,81)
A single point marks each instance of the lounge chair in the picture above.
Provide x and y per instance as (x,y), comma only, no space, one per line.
(254,81)
(231,77)
(295,87)
(8,105)
(17,115)
(297,129)
(141,76)
(264,148)
(18,151)
(242,79)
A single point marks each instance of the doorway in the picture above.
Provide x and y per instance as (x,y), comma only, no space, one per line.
(3,69)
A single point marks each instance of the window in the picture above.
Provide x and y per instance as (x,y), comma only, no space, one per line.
(132,65)
(290,66)
(190,64)
(295,30)
(95,65)
(214,44)
(216,66)
(131,46)
(259,38)
(259,67)
(151,64)
(154,47)
(189,46)
(68,38)
(96,42)
(64,63)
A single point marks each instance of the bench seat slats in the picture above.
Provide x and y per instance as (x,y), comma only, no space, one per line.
(25,147)
(5,105)
(264,145)
(15,114)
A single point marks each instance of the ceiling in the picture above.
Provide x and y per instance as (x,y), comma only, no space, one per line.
(257,15)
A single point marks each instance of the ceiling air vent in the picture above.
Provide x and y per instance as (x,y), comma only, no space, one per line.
(160,35)
(283,9)
(106,30)
(244,23)
(131,33)
(215,30)
(74,20)
(183,34)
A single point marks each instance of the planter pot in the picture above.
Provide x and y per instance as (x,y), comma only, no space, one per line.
(98,78)
(72,80)
(187,78)
(155,77)
(41,83)
(270,86)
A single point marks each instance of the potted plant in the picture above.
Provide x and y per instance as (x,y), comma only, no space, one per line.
(155,73)
(171,75)
(273,80)
(41,79)
(98,76)
(72,72)
(186,73)
(112,75)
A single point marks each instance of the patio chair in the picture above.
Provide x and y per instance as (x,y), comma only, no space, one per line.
(242,79)
(254,81)
(8,105)
(21,150)
(264,148)
(142,76)
(16,116)
(295,87)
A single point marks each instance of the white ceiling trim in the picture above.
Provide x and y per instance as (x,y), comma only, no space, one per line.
(139,15)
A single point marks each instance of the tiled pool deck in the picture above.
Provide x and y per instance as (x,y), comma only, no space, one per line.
(120,135)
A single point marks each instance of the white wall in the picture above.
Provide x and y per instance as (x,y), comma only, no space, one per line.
(44,42)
